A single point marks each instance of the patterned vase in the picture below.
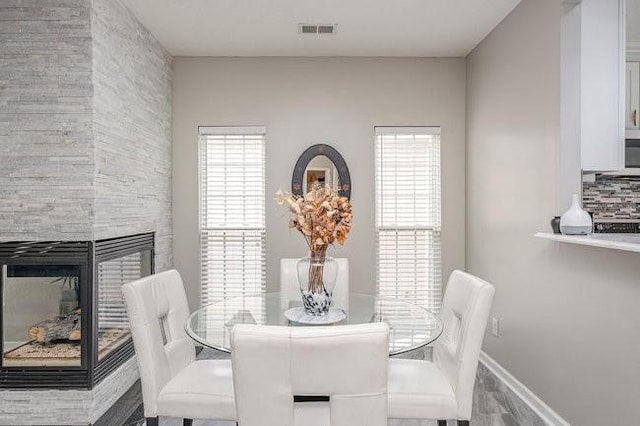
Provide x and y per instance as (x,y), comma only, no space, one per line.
(317,276)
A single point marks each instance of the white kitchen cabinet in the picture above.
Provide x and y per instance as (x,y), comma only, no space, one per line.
(632,100)
(593,90)
(602,85)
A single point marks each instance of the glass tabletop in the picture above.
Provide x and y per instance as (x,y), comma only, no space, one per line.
(410,326)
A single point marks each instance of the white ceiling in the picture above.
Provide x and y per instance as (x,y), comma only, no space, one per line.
(365,27)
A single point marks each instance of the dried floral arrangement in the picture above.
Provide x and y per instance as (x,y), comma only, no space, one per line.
(322,216)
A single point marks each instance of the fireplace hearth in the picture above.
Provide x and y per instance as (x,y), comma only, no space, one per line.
(64,323)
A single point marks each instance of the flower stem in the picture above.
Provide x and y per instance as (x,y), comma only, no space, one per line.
(316,269)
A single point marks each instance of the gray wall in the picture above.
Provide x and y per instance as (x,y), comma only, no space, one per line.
(569,314)
(304,101)
(132,123)
(85,124)
(46,136)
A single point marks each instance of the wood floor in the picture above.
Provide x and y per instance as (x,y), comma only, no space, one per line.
(493,405)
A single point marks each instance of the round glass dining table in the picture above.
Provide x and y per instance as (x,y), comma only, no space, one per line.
(410,326)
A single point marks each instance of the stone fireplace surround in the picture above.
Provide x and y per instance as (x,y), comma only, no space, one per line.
(86,129)
(67,407)
(86,155)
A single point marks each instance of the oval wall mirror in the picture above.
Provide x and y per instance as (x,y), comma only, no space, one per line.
(321,164)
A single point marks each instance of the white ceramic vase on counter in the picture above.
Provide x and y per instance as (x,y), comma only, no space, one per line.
(576,221)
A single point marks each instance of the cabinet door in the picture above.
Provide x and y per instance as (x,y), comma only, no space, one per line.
(602,72)
(632,96)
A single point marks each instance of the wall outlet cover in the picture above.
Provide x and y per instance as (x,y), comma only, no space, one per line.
(495,326)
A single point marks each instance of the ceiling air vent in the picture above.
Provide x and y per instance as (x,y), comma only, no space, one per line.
(317,28)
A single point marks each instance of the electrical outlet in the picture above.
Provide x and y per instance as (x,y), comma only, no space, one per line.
(495,326)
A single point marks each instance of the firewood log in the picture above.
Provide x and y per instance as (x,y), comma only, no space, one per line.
(64,327)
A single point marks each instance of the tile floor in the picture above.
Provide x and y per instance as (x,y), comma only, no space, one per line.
(493,405)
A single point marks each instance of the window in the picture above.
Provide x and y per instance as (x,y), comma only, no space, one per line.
(408,214)
(232,211)
(113,324)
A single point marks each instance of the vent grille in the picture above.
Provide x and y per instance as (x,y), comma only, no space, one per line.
(317,28)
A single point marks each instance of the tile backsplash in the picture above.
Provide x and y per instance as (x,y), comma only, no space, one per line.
(612,197)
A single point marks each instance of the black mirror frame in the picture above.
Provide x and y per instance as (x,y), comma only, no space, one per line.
(333,155)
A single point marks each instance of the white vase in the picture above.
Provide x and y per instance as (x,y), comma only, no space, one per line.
(576,221)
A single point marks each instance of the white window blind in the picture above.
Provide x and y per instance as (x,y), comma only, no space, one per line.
(232,211)
(113,323)
(112,275)
(408,215)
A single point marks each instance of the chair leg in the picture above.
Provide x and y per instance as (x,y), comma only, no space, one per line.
(463,422)
(442,423)
(152,421)
(187,422)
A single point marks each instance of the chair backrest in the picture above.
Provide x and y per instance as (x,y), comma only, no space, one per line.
(465,311)
(272,364)
(157,308)
(290,288)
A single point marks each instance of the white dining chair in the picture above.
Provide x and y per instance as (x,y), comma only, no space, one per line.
(443,389)
(174,384)
(290,287)
(345,367)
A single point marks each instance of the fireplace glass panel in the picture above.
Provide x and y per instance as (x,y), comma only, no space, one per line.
(41,324)
(113,324)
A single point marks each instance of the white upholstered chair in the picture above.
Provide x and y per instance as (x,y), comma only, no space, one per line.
(273,364)
(443,389)
(174,384)
(290,288)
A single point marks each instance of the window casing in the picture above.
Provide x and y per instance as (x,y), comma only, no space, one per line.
(408,215)
(232,211)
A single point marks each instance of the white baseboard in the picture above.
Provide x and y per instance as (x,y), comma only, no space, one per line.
(545,412)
